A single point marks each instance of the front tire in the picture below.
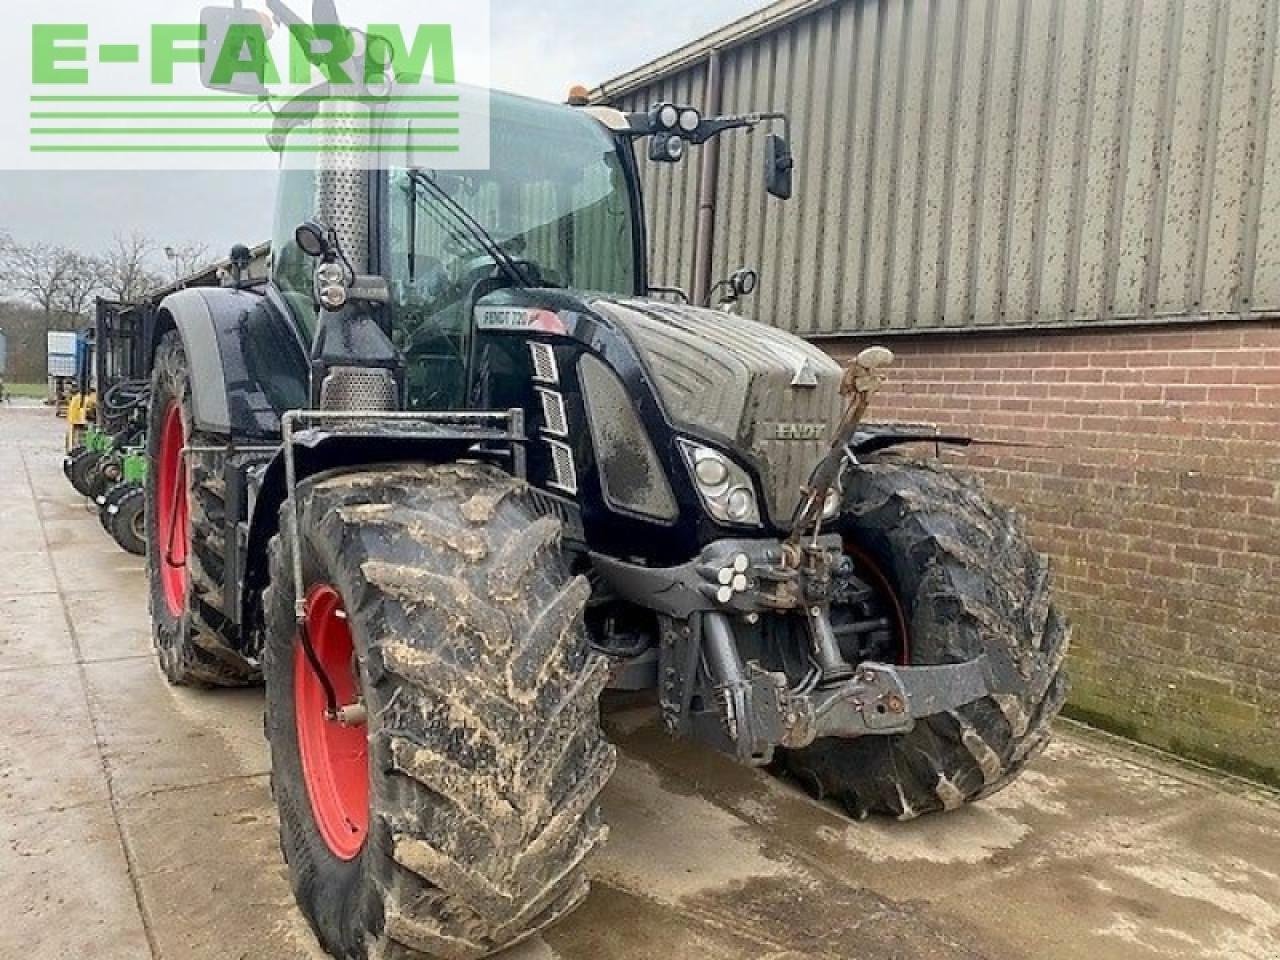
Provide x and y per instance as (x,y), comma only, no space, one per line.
(465,642)
(961,581)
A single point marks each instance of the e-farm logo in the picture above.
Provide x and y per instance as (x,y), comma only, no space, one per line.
(242,87)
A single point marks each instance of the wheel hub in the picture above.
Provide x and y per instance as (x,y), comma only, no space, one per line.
(334,748)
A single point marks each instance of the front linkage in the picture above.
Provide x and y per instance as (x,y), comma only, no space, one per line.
(709,693)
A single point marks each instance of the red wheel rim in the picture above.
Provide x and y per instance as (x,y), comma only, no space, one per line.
(335,759)
(172,522)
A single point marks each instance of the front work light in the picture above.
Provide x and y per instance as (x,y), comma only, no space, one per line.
(664,117)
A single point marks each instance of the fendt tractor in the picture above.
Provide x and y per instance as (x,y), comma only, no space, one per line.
(458,467)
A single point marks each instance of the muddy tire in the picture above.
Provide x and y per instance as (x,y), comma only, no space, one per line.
(485,757)
(965,581)
(185,513)
(81,469)
(127,519)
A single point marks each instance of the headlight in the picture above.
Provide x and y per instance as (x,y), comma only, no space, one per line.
(712,471)
(741,505)
(725,487)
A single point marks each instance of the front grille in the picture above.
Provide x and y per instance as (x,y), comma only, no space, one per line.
(554,419)
(545,368)
(358,388)
(563,468)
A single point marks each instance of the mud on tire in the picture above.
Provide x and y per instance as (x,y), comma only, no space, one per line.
(195,647)
(485,750)
(967,582)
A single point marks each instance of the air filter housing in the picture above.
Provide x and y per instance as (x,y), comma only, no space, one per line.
(359,389)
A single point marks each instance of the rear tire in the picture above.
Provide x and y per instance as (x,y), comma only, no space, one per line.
(965,581)
(485,754)
(194,641)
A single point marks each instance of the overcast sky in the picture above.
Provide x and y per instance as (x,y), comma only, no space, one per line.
(540,51)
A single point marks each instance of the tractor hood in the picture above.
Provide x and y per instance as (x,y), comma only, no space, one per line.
(771,397)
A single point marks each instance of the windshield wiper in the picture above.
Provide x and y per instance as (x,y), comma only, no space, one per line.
(473,227)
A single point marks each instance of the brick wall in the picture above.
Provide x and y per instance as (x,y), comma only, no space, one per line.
(1157,493)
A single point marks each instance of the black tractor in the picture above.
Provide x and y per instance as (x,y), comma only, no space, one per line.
(457,468)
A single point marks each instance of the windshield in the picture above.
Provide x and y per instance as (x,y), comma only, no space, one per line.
(553,210)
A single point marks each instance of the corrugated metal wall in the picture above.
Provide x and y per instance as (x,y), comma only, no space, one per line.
(995,163)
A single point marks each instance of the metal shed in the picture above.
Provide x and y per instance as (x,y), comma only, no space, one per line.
(985,163)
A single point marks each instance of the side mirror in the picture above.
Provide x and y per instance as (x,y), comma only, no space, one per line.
(778,165)
(315,239)
(215,23)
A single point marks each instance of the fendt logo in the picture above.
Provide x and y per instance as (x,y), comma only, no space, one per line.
(165,85)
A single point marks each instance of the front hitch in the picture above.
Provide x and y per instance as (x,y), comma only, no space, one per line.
(881,699)
(760,712)
(709,694)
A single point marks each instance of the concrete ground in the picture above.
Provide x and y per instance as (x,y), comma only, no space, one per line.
(136,820)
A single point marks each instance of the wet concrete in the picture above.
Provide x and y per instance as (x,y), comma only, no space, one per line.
(136,820)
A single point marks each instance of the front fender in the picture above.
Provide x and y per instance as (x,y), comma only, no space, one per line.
(247,366)
(316,453)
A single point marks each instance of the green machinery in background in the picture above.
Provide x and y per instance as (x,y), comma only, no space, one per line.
(108,462)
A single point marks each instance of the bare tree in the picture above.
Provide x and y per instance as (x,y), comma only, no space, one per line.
(39,272)
(130,276)
(61,282)
(187,259)
(86,279)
